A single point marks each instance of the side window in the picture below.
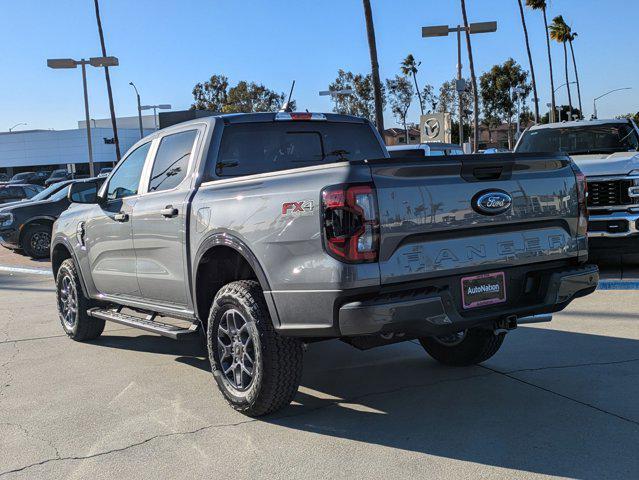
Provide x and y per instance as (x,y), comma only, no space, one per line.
(126,179)
(172,161)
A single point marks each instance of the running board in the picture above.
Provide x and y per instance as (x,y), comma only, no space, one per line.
(149,324)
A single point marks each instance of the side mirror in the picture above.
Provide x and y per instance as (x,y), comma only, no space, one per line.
(84,192)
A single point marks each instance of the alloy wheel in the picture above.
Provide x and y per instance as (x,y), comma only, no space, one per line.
(236,349)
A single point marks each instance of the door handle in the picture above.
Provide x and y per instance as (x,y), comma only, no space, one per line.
(169,211)
(121,217)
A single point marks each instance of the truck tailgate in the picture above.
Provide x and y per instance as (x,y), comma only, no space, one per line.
(430,224)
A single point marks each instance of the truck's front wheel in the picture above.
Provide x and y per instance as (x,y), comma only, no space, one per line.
(257,370)
(465,348)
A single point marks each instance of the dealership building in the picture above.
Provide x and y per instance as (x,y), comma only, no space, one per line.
(35,150)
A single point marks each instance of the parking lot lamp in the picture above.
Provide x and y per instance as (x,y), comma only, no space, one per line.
(594,102)
(443,31)
(139,109)
(94,62)
(162,106)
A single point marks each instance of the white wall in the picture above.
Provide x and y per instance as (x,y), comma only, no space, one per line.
(49,147)
(122,122)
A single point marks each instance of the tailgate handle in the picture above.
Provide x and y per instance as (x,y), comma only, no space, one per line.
(487,173)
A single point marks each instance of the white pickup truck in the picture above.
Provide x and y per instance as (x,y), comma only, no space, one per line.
(607,152)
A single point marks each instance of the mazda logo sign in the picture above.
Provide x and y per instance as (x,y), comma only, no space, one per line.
(492,202)
(432,128)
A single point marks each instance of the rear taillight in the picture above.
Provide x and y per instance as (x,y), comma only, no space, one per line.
(582,194)
(350,222)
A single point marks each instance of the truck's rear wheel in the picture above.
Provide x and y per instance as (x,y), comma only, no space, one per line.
(73,305)
(257,370)
(461,349)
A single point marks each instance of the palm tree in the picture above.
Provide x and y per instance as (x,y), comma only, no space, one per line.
(541,5)
(560,32)
(572,36)
(530,61)
(377,86)
(473,79)
(108,83)
(409,67)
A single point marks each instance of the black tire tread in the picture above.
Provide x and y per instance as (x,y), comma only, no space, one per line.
(281,356)
(88,328)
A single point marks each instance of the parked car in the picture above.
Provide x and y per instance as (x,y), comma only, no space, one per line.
(67,176)
(104,172)
(268,230)
(42,195)
(4,177)
(16,192)
(33,178)
(57,176)
(607,152)
(428,149)
(27,225)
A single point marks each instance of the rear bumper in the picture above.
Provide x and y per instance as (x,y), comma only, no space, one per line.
(422,313)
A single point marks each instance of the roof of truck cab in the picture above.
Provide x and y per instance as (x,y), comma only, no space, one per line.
(580,123)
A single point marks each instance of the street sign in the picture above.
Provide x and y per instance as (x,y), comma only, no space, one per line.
(435,127)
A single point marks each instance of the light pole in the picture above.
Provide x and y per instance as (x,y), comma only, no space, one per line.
(94,62)
(16,125)
(443,31)
(139,109)
(334,94)
(594,102)
(162,106)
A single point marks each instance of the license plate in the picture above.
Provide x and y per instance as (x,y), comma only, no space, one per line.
(482,290)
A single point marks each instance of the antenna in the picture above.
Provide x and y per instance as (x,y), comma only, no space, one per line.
(287,106)
(290,94)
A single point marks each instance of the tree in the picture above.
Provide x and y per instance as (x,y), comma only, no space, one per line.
(541,5)
(377,84)
(563,114)
(107,77)
(560,32)
(571,37)
(473,78)
(400,96)
(248,97)
(499,92)
(245,97)
(362,102)
(530,60)
(409,67)
(632,116)
(212,94)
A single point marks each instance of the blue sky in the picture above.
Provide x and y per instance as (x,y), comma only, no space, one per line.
(166,46)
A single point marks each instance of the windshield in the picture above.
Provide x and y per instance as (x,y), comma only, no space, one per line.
(59,173)
(44,194)
(584,139)
(59,195)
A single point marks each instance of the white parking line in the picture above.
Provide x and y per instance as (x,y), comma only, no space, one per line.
(27,270)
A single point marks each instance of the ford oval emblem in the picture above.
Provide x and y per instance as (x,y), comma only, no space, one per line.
(492,202)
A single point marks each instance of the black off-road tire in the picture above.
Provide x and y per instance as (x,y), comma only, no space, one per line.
(36,241)
(477,346)
(278,360)
(78,325)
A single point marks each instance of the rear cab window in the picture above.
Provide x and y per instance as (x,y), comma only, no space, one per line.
(259,147)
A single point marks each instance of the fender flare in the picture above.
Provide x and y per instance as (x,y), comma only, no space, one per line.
(65,243)
(228,240)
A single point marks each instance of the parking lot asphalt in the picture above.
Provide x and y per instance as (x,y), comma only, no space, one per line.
(560,399)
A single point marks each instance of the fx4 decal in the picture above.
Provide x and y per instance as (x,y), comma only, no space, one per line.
(305,207)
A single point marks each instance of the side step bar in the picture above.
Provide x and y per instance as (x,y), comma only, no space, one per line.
(149,324)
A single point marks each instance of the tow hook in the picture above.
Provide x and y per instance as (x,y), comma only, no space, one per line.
(504,325)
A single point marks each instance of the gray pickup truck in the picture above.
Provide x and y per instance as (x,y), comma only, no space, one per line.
(268,231)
